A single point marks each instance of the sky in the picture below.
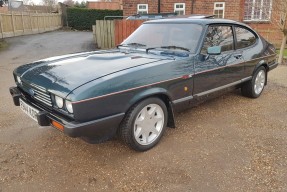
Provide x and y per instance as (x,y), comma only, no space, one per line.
(39,2)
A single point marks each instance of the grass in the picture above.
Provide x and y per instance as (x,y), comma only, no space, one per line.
(3,44)
(285,52)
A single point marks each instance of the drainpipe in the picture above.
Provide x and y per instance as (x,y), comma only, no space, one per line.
(192,5)
(158,6)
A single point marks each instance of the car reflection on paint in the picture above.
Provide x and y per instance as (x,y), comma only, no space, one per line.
(164,67)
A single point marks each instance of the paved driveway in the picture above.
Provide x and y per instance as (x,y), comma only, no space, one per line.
(231,143)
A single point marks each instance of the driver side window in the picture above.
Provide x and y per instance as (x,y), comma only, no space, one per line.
(218,36)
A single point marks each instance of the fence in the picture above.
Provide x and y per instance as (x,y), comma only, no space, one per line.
(109,33)
(16,24)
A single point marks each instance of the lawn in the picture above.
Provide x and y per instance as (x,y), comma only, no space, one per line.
(285,52)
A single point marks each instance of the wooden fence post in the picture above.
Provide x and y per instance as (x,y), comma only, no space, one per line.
(1,26)
(94,33)
(113,33)
(44,21)
(13,22)
(109,40)
(22,17)
(31,22)
(98,34)
(38,22)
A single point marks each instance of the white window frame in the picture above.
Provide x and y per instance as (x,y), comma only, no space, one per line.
(261,11)
(142,10)
(219,8)
(179,9)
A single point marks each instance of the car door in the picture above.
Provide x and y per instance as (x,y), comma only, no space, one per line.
(213,72)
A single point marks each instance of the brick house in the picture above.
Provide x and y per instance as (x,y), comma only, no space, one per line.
(105,4)
(256,13)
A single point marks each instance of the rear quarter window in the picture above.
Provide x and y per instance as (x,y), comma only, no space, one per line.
(218,36)
(244,38)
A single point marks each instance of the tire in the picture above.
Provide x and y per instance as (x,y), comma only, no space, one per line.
(255,86)
(144,124)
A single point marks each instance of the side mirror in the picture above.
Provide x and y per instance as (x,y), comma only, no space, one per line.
(215,50)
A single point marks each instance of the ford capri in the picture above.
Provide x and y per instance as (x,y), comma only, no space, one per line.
(134,90)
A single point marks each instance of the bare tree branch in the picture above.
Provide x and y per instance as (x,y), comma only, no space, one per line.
(279,19)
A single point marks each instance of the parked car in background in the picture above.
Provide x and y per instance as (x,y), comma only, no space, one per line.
(164,67)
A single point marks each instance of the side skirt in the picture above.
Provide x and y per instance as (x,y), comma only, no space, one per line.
(187,102)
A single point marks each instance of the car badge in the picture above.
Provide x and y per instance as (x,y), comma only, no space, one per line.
(31,92)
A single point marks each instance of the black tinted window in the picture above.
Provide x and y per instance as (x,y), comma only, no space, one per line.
(218,36)
(244,37)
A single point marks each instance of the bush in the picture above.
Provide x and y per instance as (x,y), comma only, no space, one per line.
(83,19)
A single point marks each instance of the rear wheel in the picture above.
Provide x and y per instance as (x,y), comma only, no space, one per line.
(144,124)
(255,86)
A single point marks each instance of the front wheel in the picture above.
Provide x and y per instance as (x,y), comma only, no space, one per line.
(255,86)
(144,124)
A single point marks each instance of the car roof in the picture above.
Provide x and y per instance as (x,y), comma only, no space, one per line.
(192,19)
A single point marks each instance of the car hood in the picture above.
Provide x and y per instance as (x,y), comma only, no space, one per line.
(61,75)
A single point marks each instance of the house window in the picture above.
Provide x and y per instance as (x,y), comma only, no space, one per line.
(142,9)
(257,10)
(219,9)
(179,8)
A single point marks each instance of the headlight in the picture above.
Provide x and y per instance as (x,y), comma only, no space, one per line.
(69,106)
(59,101)
(19,80)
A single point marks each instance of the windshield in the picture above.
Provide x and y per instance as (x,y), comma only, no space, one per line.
(153,35)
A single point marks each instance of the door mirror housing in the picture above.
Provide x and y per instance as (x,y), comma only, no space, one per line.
(215,50)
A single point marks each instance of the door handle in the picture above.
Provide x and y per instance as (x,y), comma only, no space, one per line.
(238,56)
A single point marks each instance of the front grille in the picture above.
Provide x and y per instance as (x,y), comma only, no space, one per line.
(40,93)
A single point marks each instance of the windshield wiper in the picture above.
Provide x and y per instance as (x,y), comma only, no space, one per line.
(131,44)
(168,47)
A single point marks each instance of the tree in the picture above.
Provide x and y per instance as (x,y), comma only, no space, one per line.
(280,19)
(2,2)
(50,3)
(81,5)
(70,3)
(27,2)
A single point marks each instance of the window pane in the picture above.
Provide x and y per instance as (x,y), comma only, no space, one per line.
(218,13)
(183,35)
(257,10)
(219,10)
(142,12)
(244,38)
(179,6)
(248,9)
(218,36)
(179,12)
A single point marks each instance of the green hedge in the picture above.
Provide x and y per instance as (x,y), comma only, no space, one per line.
(83,19)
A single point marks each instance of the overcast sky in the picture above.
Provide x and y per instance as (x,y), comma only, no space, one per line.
(39,2)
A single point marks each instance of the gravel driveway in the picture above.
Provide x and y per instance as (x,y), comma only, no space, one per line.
(231,143)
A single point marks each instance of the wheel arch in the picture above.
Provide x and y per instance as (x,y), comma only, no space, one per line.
(264,64)
(160,93)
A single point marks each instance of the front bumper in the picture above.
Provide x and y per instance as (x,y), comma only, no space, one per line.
(100,129)
(273,66)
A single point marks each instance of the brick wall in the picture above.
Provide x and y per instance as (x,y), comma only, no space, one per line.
(3,9)
(269,31)
(130,6)
(234,9)
(104,5)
